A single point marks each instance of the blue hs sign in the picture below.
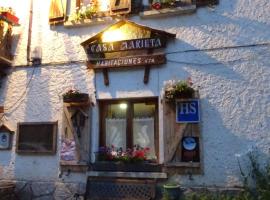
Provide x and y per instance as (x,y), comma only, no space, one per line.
(187,111)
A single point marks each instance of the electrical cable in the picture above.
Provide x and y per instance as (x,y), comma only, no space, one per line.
(166,53)
(19,100)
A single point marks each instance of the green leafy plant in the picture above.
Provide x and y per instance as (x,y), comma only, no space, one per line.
(74,95)
(256,184)
(84,12)
(178,89)
(171,191)
(71,93)
(257,180)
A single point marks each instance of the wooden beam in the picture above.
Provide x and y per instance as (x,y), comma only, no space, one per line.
(146,74)
(106,77)
(147,68)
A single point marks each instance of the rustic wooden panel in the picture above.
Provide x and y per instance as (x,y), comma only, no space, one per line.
(127,61)
(173,134)
(82,140)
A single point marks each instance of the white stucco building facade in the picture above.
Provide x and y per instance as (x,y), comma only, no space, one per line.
(225,50)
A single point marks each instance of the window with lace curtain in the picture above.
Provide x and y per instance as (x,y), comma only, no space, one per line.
(129,123)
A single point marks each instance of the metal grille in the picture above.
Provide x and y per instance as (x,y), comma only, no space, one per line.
(121,189)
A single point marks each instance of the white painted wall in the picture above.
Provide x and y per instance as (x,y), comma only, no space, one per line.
(234,83)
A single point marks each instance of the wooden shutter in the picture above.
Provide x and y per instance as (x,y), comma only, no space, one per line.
(76,126)
(119,7)
(57,11)
(173,136)
(206,2)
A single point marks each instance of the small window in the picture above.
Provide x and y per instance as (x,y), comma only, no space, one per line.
(130,123)
(88,9)
(37,137)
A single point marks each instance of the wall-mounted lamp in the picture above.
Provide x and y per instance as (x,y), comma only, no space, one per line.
(36,56)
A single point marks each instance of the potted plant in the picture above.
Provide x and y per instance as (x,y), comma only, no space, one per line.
(9,15)
(171,191)
(74,95)
(178,89)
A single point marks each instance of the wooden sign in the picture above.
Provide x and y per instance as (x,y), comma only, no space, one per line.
(143,60)
(126,45)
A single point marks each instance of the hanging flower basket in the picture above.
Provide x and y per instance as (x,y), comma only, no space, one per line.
(75,96)
(178,90)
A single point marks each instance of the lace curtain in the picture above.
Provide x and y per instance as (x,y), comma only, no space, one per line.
(116,132)
(143,134)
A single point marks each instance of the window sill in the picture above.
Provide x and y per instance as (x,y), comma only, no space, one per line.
(168,11)
(125,167)
(138,175)
(88,22)
(72,166)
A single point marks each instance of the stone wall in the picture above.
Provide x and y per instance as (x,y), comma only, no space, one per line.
(49,190)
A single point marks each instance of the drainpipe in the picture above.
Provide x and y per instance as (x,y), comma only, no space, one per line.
(29,32)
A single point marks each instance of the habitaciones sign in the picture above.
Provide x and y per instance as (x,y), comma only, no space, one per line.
(126,45)
(187,111)
(143,60)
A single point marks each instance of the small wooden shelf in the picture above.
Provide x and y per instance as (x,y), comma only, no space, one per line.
(73,166)
(184,164)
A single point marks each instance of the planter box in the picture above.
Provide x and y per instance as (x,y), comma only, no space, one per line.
(79,98)
(125,167)
(10,18)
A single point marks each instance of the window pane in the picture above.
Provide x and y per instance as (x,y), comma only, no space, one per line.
(144,127)
(116,125)
(36,137)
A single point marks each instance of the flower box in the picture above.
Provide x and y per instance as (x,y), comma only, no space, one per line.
(10,18)
(81,97)
(125,167)
(75,96)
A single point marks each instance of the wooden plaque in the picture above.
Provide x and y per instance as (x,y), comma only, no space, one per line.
(125,45)
(144,60)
